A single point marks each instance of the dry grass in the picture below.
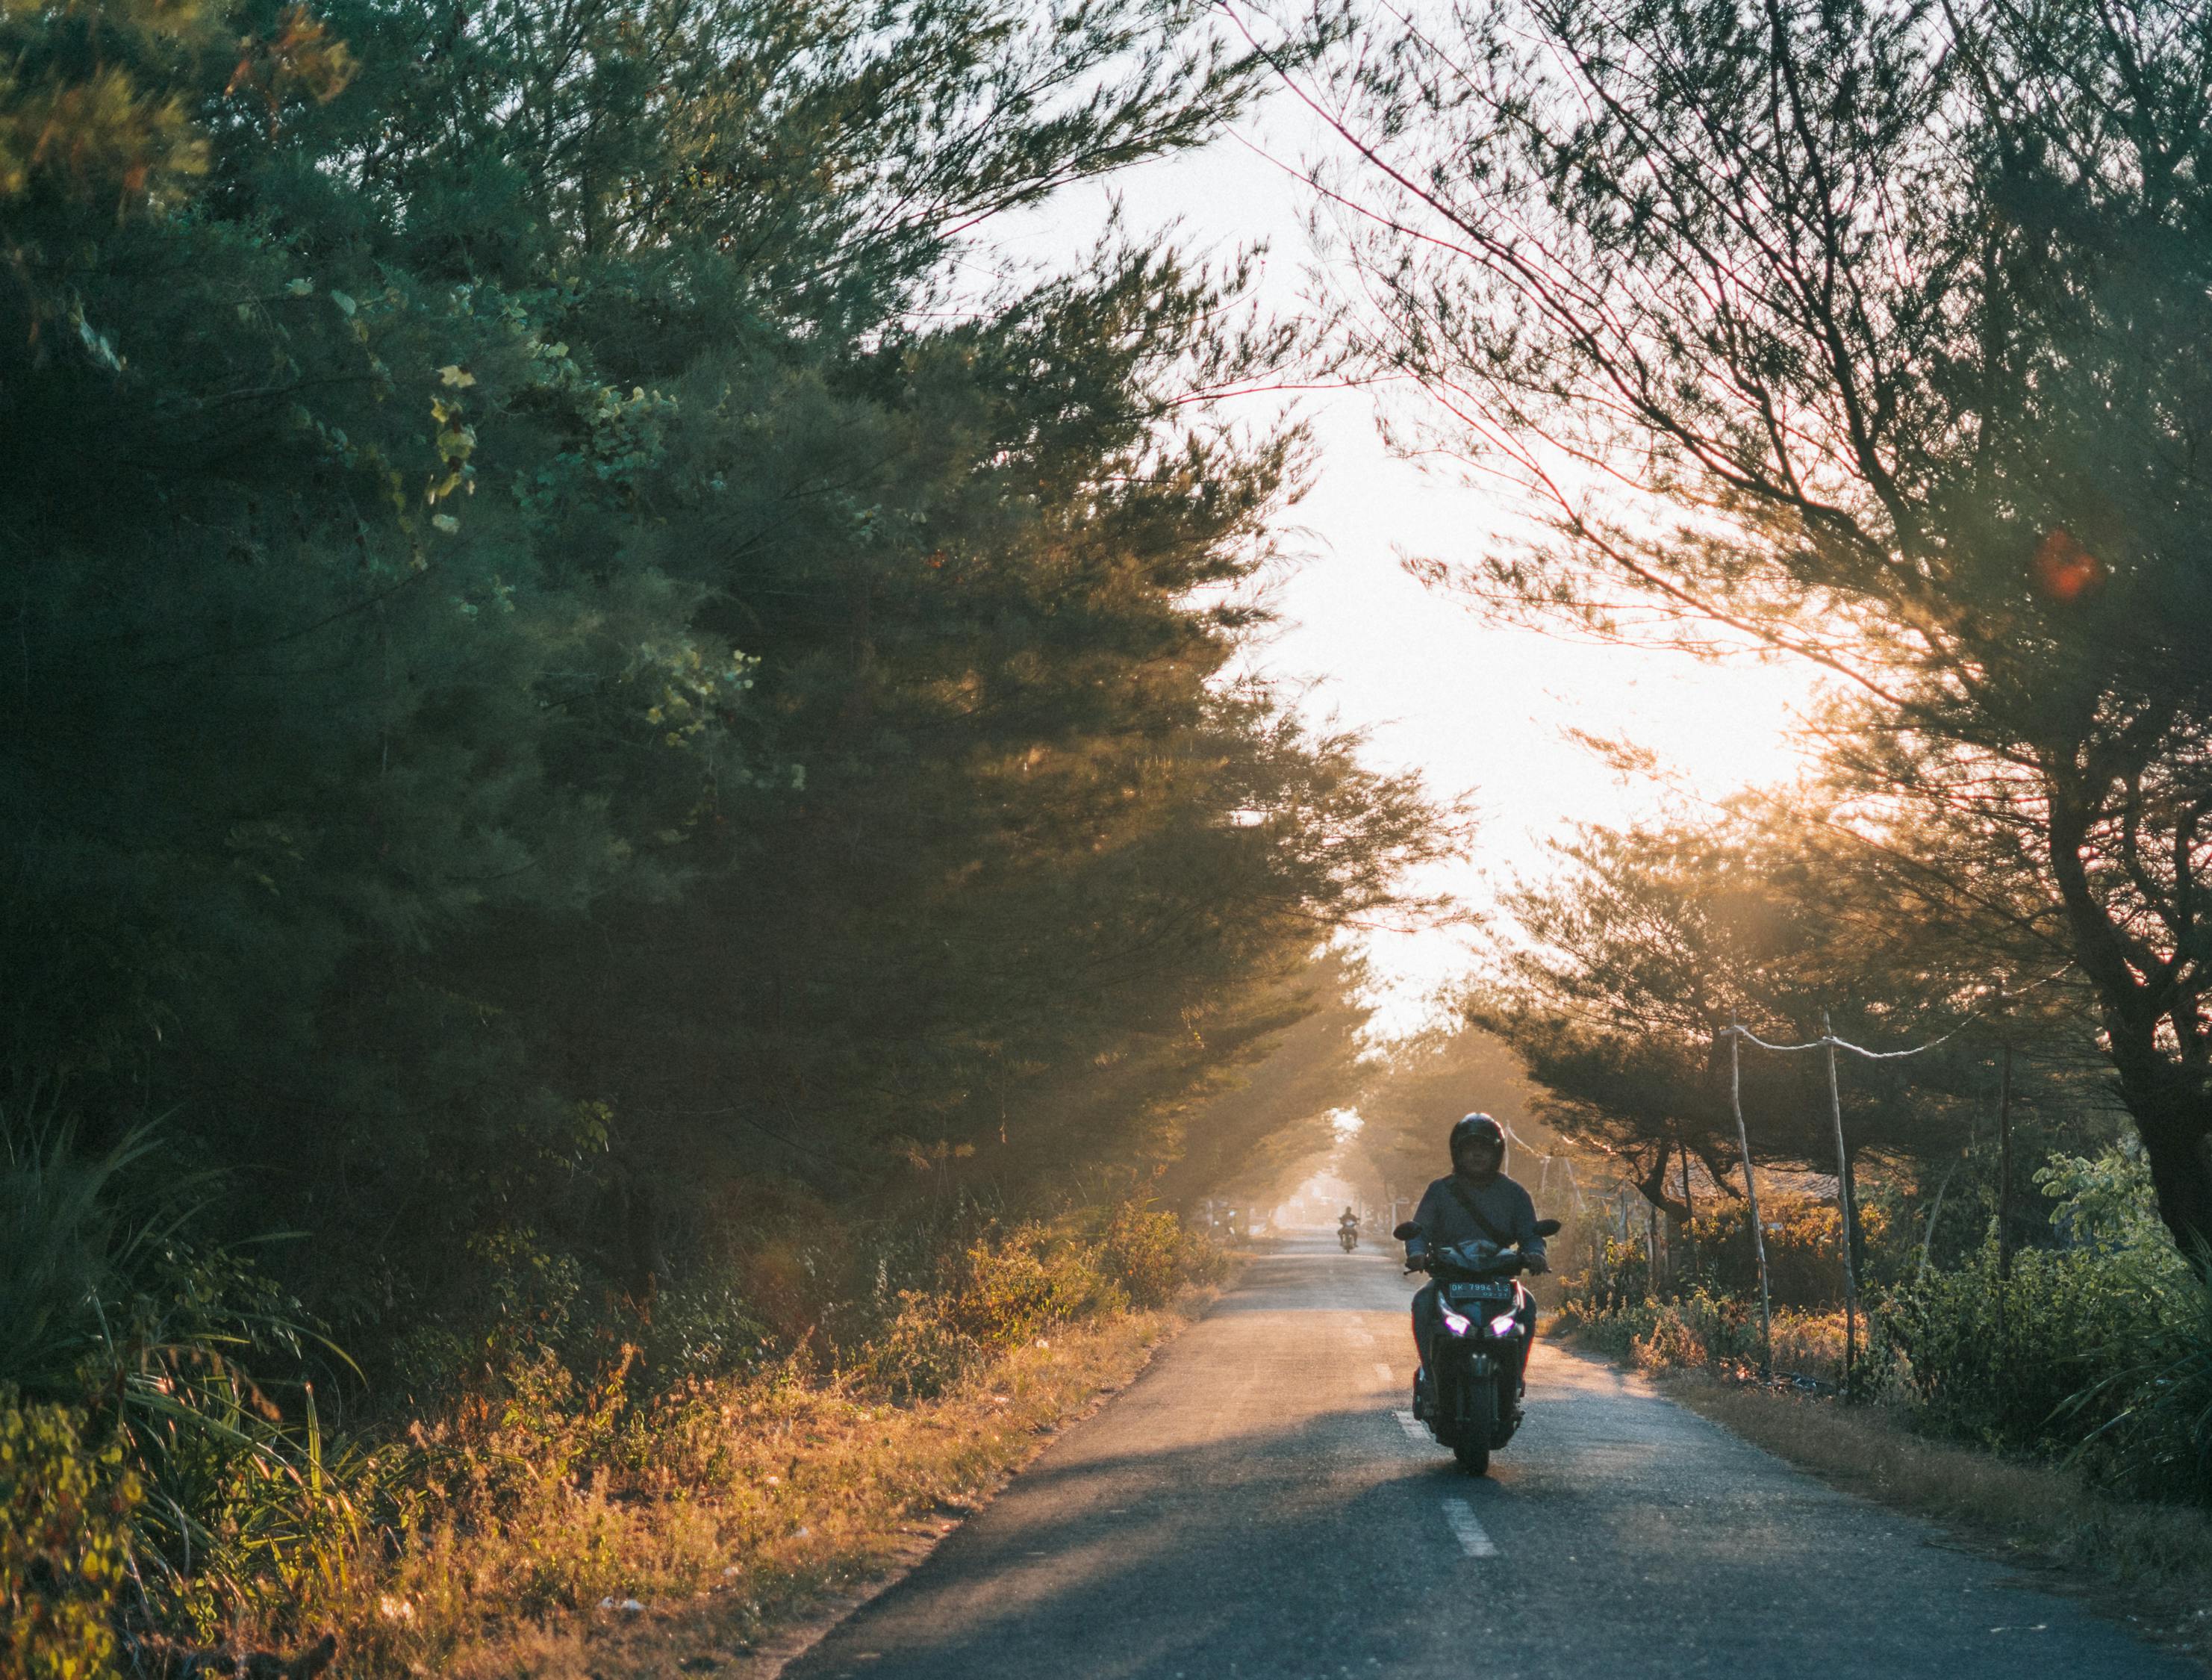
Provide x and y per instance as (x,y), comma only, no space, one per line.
(2149,1565)
(829,1493)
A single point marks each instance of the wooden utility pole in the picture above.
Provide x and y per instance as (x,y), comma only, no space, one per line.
(2004,1177)
(1689,1207)
(1751,1201)
(1844,1209)
(2004,1160)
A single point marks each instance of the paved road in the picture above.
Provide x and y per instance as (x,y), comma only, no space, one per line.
(1255,1506)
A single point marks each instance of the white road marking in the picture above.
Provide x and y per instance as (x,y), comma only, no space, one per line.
(1363,1338)
(1414,1429)
(1384,1372)
(1472,1540)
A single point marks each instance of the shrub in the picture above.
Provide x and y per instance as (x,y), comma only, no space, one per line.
(921,1355)
(1013,1288)
(1671,1342)
(1711,1330)
(704,1327)
(1144,1251)
(2066,1357)
(65,1518)
(1804,1260)
(2003,1363)
(2157,1439)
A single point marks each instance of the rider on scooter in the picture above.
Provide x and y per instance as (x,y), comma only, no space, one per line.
(1477,1200)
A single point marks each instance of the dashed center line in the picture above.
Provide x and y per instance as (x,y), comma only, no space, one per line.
(1415,1430)
(1384,1372)
(1460,1515)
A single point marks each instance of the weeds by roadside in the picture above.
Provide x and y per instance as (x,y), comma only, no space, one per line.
(565,1463)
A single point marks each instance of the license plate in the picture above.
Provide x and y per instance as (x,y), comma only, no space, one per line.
(1482,1292)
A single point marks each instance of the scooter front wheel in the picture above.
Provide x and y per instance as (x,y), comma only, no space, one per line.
(1471,1439)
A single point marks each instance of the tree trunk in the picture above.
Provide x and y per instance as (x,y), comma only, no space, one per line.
(2166,1097)
(2174,1121)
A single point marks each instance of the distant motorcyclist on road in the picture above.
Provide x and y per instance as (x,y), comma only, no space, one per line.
(1477,1200)
(1348,1231)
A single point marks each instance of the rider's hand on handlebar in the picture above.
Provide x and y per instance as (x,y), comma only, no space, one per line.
(1535,1263)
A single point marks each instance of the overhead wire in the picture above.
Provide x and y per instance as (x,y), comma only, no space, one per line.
(1739,1031)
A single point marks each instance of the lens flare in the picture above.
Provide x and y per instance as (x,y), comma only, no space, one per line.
(2066,570)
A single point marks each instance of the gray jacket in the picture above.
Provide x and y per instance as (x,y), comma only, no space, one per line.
(1511,1215)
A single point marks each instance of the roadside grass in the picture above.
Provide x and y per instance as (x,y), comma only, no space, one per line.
(819,1489)
(2147,1564)
(572,1490)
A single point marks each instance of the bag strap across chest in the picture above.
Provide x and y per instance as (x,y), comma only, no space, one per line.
(1459,1194)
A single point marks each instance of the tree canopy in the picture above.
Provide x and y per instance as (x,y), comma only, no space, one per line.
(562,673)
(1870,333)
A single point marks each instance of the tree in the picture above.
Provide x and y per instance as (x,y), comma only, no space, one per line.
(1868,334)
(1630,966)
(555,686)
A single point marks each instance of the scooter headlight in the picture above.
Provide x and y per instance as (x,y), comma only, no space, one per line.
(1504,1324)
(1454,1323)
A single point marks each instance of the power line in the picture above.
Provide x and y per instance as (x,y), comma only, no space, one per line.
(1827,1039)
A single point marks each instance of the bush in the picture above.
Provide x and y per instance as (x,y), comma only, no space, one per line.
(921,1355)
(1804,1259)
(2158,1442)
(1711,1330)
(65,1518)
(1013,1288)
(2041,1364)
(1145,1252)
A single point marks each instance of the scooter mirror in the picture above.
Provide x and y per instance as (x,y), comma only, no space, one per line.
(1547,1227)
(1406,1231)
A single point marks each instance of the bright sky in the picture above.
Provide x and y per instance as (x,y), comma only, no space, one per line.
(1472,706)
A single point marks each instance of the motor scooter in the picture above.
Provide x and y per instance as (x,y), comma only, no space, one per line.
(1470,1392)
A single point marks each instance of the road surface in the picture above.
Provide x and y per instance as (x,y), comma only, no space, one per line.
(1261,1503)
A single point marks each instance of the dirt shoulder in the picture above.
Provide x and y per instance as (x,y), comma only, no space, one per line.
(2146,1566)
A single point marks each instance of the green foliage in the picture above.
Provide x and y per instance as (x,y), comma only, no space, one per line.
(1995,1361)
(2108,1201)
(557,681)
(1145,1252)
(2157,1440)
(582,714)
(66,1506)
(2060,1352)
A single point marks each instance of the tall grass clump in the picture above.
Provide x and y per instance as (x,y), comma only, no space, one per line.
(178,1357)
(2155,1435)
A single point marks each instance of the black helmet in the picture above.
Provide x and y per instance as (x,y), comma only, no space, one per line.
(1476,1129)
